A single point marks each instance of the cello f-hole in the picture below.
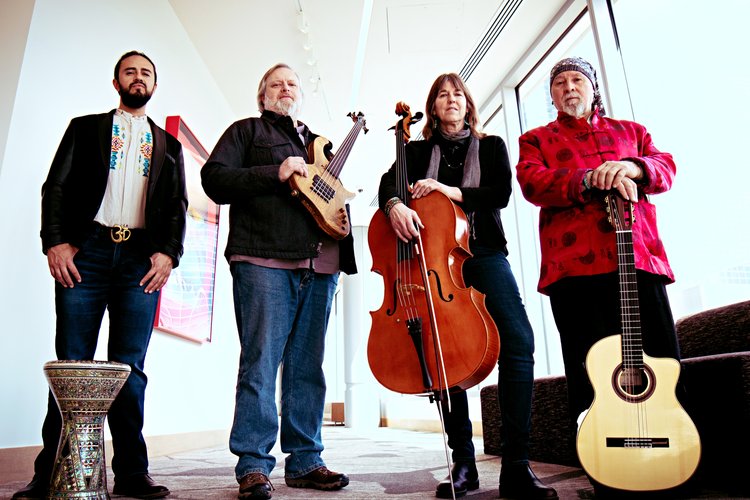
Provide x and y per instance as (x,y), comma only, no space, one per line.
(391,311)
(449,298)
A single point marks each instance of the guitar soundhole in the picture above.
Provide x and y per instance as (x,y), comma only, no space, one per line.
(634,384)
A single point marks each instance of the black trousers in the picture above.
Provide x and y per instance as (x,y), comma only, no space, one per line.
(587,309)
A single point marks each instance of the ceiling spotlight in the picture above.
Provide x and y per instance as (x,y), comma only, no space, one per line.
(302,23)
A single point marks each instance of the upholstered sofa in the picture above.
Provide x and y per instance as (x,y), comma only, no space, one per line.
(715,348)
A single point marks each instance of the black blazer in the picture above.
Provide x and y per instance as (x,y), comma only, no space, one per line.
(77,180)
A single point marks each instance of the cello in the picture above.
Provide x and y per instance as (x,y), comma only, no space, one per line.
(432,333)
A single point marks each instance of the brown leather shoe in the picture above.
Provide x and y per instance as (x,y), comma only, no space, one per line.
(319,479)
(139,486)
(255,485)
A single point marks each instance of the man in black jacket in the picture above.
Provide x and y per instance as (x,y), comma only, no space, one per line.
(285,270)
(113,224)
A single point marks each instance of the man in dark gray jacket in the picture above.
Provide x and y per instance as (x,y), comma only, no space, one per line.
(285,270)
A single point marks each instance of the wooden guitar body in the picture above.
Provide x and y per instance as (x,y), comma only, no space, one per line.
(323,194)
(636,438)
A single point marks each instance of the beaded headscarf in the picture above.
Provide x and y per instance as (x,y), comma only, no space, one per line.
(582,66)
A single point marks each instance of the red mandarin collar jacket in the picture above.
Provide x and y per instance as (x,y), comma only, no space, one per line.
(575,234)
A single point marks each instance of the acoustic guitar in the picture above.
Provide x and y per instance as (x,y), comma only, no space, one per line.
(321,192)
(635,436)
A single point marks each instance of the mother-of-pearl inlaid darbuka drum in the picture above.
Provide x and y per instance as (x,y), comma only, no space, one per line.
(84,391)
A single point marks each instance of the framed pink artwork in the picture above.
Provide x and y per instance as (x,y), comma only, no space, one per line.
(186,302)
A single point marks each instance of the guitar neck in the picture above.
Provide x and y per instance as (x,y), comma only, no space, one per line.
(337,163)
(630,316)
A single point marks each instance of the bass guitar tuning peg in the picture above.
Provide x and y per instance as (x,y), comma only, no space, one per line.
(359,116)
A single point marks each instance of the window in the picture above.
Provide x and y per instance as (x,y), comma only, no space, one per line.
(535,103)
(687,72)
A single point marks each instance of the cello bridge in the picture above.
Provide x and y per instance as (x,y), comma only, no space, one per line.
(407,288)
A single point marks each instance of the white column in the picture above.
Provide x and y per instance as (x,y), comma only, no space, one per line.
(361,396)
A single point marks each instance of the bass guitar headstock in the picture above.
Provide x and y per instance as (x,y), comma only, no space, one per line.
(620,212)
(359,117)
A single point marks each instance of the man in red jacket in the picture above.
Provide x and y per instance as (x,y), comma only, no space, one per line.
(565,168)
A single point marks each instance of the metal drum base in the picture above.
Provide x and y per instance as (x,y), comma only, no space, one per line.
(84,391)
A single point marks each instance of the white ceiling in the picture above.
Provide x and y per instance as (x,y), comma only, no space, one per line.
(368,55)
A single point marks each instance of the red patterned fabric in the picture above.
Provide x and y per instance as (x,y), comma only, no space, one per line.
(575,234)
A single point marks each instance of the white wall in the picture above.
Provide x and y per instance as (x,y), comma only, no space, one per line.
(67,71)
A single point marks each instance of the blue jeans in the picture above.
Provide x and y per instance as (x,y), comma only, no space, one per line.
(489,272)
(282,317)
(110,276)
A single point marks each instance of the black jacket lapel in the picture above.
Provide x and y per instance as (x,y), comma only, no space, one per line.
(105,137)
(157,157)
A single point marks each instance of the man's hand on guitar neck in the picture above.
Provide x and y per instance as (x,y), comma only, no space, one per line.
(619,175)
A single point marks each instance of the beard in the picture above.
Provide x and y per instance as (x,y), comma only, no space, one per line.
(282,107)
(577,110)
(135,98)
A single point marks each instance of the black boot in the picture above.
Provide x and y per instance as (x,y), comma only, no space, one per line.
(465,478)
(519,481)
(37,489)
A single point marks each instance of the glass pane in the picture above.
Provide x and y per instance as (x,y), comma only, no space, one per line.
(535,108)
(535,102)
(688,74)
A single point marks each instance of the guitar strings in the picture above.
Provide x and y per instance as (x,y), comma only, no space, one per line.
(632,349)
(329,175)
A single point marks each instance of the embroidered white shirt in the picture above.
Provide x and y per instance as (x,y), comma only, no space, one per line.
(124,200)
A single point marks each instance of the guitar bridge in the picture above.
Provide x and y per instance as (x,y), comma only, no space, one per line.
(639,442)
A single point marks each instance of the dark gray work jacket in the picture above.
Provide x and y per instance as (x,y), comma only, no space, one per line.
(265,220)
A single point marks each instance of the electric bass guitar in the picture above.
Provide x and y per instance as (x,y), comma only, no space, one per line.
(635,436)
(321,192)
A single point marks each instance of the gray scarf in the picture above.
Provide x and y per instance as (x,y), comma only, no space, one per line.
(471,165)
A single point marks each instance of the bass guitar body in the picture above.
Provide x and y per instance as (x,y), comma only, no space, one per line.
(322,194)
(636,436)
